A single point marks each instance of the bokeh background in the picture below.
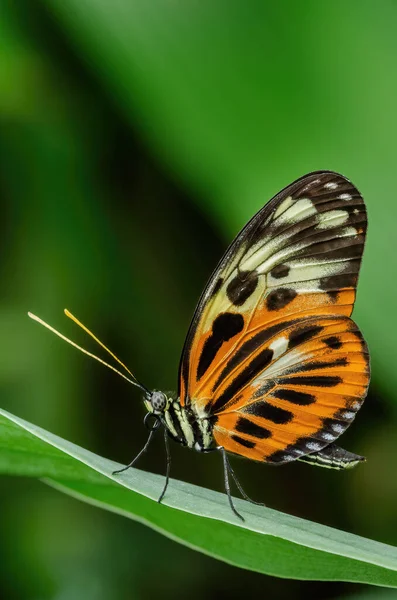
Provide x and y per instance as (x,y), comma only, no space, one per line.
(136,139)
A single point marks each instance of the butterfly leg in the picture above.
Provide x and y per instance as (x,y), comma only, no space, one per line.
(152,430)
(138,456)
(167,474)
(226,469)
(238,484)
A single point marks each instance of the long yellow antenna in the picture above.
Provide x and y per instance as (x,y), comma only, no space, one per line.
(80,324)
(132,381)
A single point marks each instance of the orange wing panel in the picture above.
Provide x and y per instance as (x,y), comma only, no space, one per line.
(302,401)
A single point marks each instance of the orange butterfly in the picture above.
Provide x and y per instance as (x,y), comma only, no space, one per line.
(273,368)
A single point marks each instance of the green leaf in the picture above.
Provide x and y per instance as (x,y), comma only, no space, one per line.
(269,541)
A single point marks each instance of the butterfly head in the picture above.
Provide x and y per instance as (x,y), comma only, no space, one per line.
(156,402)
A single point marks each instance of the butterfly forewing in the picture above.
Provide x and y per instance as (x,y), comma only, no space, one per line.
(297,260)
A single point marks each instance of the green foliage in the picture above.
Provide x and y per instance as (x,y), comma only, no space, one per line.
(269,541)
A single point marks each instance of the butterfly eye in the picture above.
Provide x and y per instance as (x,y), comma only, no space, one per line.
(158,401)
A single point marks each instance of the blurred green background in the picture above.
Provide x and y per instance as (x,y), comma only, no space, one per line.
(137,137)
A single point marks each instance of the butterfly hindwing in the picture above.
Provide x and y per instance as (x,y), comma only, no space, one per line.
(298,398)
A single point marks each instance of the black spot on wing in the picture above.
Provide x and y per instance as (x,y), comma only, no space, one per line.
(225,326)
(333,295)
(294,396)
(280,271)
(241,287)
(249,428)
(299,336)
(270,412)
(312,380)
(253,369)
(279,298)
(243,442)
(333,342)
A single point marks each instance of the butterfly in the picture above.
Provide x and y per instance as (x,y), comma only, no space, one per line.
(273,368)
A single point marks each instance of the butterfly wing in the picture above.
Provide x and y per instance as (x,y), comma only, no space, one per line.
(295,393)
(297,258)
(333,457)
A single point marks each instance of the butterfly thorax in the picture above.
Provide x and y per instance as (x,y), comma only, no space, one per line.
(182,423)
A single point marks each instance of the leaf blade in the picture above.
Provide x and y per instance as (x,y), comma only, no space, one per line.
(371,562)
(246,551)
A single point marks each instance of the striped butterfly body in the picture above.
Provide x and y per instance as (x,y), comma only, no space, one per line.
(273,369)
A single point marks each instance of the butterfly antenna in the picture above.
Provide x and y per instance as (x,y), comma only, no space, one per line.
(80,324)
(131,380)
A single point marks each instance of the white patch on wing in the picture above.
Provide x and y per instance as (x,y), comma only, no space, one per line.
(332,218)
(337,427)
(348,415)
(279,346)
(344,197)
(328,436)
(301,209)
(270,253)
(293,357)
(347,232)
(313,446)
(331,185)
(285,204)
